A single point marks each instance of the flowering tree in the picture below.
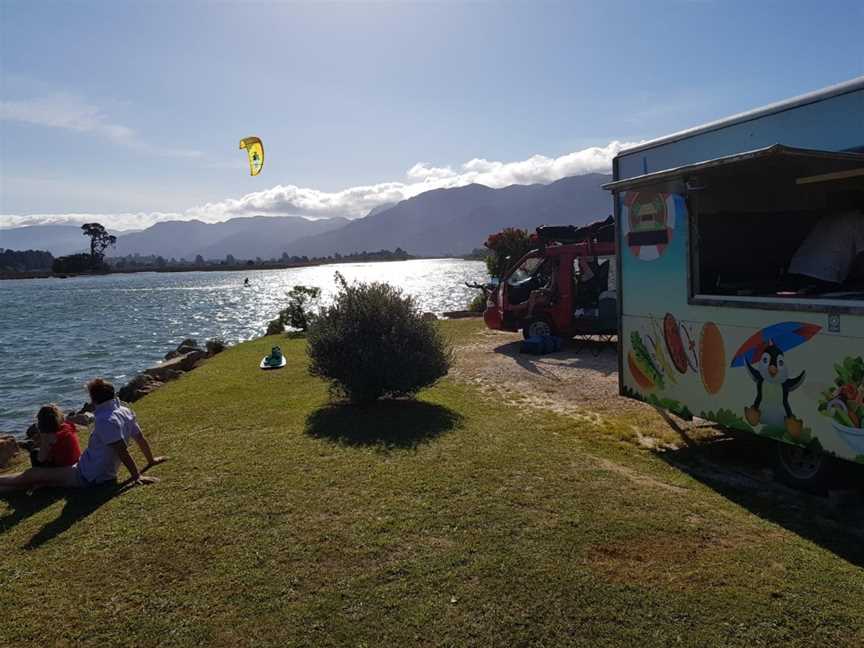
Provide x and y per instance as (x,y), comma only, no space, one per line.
(507,246)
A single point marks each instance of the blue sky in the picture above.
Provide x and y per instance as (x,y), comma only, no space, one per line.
(132,111)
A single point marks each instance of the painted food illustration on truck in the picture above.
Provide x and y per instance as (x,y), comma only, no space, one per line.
(643,366)
(649,223)
(661,354)
(675,343)
(843,403)
(764,356)
(657,350)
(712,358)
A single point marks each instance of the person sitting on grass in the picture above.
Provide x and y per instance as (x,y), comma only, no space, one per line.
(53,440)
(114,426)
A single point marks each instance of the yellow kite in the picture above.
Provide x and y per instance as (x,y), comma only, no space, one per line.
(255,149)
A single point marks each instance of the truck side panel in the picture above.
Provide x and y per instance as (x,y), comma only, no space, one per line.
(833,124)
(693,359)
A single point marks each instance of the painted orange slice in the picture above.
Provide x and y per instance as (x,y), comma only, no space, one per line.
(712,358)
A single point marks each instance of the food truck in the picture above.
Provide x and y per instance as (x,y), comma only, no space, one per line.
(722,231)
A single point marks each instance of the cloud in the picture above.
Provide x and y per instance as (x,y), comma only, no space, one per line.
(422,171)
(71,112)
(114,222)
(355,202)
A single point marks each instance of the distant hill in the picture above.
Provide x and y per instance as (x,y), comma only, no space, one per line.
(435,223)
(245,238)
(56,239)
(455,221)
(269,237)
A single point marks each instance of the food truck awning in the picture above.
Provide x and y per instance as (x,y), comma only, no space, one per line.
(804,166)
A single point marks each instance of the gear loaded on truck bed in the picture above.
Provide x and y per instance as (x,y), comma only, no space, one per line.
(564,287)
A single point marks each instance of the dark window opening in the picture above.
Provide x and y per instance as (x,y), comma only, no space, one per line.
(774,228)
(754,255)
(772,240)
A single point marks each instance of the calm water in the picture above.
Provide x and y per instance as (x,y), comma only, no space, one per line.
(57,333)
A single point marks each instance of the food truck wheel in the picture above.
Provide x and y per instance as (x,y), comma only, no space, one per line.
(537,327)
(803,468)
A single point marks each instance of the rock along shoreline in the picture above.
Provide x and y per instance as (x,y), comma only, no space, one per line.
(187,356)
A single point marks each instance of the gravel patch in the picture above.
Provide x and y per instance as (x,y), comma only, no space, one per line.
(572,381)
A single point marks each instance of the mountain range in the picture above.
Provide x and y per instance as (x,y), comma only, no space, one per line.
(245,238)
(57,239)
(454,221)
(440,222)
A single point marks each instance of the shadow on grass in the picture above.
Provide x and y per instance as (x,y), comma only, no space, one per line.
(79,503)
(23,506)
(738,467)
(397,423)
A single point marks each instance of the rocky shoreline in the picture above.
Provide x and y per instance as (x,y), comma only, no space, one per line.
(187,356)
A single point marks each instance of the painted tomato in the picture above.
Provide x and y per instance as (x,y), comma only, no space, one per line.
(674,343)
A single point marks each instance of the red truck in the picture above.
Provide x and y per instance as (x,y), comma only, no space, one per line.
(564,287)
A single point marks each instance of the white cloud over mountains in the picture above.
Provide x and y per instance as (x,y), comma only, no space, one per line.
(354,202)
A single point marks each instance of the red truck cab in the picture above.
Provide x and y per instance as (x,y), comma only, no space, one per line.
(565,287)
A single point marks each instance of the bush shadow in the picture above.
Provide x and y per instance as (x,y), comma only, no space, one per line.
(388,423)
(739,468)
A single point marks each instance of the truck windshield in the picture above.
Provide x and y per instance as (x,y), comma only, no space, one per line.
(525,270)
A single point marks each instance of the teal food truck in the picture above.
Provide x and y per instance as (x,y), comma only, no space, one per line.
(741,276)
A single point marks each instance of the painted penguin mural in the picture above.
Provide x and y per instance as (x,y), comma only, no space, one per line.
(763,355)
(773,386)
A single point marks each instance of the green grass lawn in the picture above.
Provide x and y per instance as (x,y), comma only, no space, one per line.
(285,520)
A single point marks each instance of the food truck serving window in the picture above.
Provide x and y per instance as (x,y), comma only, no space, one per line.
(775,228)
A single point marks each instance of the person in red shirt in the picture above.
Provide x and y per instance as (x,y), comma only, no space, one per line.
(56,442)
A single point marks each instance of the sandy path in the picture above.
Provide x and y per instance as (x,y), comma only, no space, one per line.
(574,382)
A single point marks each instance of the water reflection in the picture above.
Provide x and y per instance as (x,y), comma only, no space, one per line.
(55,334)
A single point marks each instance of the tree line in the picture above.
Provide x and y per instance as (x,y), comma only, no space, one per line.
(101,241)
(25,260)
(140,261)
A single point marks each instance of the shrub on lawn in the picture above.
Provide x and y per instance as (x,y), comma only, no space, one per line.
(300,311)
(477,303)
(275,327)
(373,342)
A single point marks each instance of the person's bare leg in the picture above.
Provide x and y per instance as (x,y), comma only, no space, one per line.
(66,477)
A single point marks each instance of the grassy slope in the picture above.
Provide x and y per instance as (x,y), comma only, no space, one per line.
(453,521)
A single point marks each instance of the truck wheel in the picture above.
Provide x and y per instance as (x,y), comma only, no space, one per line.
(537,327)
(806,469)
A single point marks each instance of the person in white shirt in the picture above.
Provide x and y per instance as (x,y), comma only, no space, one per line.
(114,427)
(826,256)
